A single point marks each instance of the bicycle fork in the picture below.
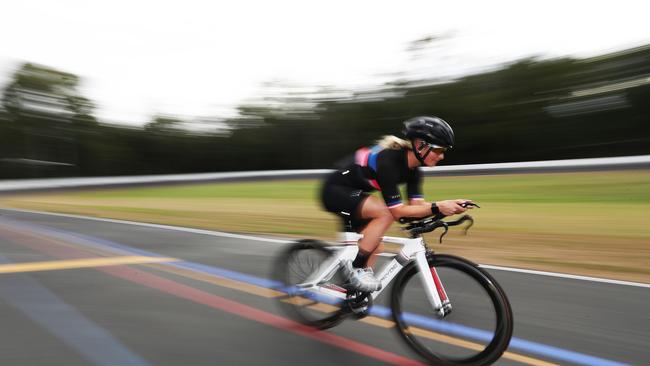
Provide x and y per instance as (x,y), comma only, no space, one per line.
(433,287)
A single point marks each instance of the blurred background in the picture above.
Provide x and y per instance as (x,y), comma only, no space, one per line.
(163,88)
(124,88)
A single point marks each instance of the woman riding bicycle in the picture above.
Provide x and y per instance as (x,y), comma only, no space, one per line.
(383,167)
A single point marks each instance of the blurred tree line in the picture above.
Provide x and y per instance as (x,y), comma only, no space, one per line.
(531,109)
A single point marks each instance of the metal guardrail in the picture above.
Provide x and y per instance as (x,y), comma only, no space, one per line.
(625,162)
(622,162)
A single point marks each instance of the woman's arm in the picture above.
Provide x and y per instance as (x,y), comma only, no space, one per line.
(422,208)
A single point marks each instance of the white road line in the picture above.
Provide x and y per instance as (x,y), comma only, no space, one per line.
(566,275)
(279,241)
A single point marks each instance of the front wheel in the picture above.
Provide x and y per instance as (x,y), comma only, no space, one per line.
(477,330)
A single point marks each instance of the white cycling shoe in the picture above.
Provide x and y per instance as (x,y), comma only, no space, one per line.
(362,279)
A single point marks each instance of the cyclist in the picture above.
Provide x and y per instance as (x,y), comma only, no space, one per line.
(393,161)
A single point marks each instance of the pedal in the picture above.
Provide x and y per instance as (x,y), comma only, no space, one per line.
(359,304)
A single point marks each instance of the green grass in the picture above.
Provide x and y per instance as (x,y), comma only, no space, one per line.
(599,187)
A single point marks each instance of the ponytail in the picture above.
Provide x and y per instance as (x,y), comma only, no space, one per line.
(394,143)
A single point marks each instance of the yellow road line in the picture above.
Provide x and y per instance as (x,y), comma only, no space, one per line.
(527,360)
(79,263)
(323,308)
(378,322)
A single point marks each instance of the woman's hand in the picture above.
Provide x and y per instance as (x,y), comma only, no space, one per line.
(452,207)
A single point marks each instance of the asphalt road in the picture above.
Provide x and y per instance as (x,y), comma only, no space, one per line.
(108,293)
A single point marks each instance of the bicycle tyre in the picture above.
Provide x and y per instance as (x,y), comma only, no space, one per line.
(291,268)
(501,306)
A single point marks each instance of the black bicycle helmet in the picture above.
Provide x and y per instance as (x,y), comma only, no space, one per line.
(432,130)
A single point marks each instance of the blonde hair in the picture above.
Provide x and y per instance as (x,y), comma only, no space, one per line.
(394,143)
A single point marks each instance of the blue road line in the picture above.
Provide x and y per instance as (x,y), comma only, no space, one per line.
(447,327)
(518,344)
(65,322)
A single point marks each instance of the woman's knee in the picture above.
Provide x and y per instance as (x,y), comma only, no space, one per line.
(386,216)
(373,208)
(384,219)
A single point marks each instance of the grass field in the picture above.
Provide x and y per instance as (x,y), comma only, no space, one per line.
(595,223)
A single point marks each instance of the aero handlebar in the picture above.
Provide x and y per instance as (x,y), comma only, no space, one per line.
(419,226)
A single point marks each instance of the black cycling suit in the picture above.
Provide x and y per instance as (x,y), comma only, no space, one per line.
(369,169)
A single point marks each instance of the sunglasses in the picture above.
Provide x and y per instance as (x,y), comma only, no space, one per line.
(435,148)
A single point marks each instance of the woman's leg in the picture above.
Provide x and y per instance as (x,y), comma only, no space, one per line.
(380,217)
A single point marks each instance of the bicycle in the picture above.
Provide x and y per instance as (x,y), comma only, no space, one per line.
(316,295)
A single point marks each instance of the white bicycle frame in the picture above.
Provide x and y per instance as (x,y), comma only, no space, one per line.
(413,249)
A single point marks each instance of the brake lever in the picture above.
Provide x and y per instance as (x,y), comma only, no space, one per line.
(468,217)
(469,225)
(444,225)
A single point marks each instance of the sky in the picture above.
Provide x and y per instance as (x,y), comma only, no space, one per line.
(197,58)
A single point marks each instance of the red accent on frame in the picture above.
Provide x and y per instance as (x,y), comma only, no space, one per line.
(436,280)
